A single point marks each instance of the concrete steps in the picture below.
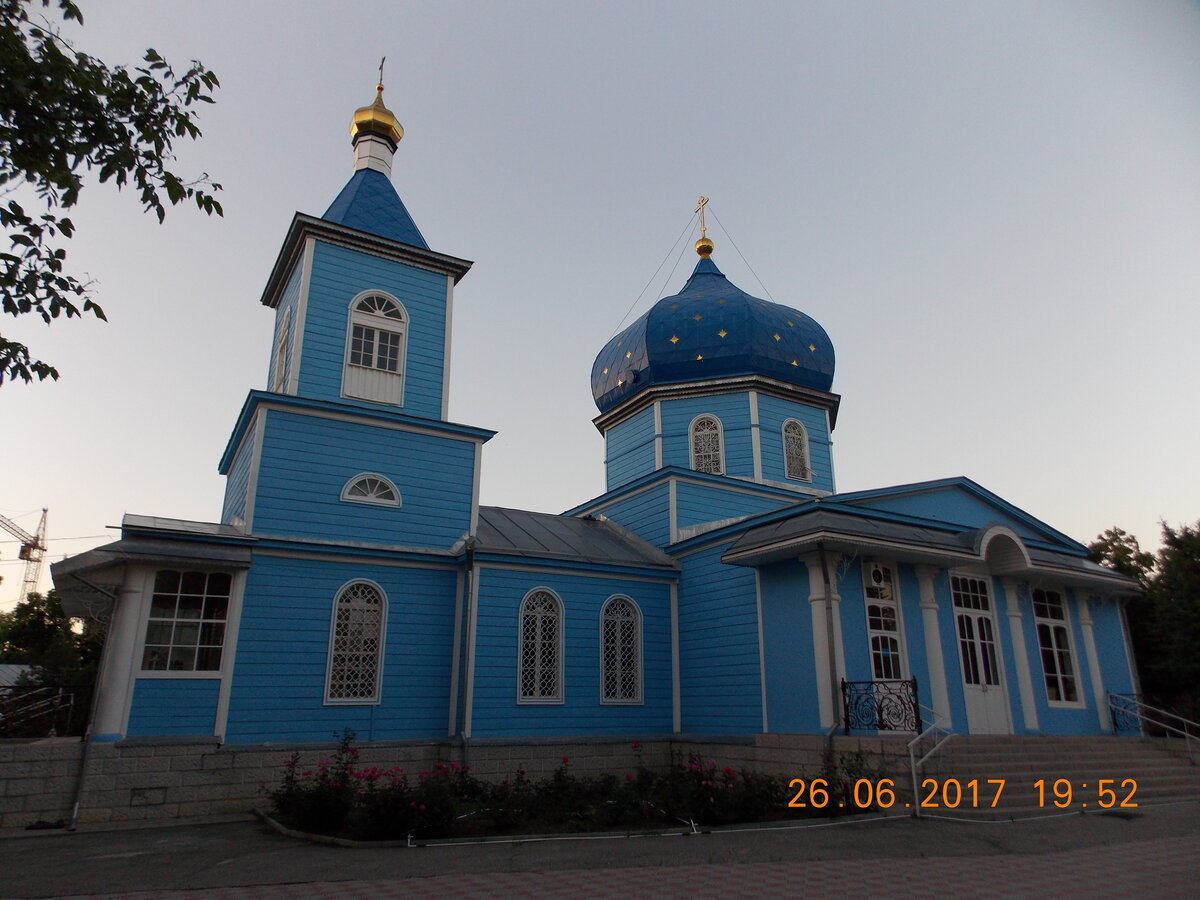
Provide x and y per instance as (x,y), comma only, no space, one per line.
(1076,774)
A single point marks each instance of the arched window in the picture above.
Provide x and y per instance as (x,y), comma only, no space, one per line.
(371,488)
(279,376)
(356,644)
(375,350)
(539,679)
(883,621)
(707,453)
(795,451)
(621,651)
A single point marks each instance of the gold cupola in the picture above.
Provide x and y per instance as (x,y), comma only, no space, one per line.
(376,120)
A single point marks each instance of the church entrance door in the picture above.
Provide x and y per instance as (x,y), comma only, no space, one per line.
(979,651)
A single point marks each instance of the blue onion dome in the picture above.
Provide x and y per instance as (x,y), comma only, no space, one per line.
(712,329)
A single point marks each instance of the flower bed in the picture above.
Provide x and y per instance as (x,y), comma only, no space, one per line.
(339,798)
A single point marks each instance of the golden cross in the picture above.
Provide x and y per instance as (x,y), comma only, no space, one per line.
(381,62)
(700,209)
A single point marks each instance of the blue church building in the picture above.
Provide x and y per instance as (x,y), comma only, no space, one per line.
(720,586)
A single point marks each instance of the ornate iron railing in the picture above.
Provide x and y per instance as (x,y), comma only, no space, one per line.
(36,711)
(886,705)
(1132,716)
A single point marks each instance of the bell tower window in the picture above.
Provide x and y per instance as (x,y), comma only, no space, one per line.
(707,455)
(375,344)
(795,451)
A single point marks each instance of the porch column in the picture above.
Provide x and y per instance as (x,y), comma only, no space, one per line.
(120,659)
(1015,629)
(939,696)
(1093,659)
(828,691)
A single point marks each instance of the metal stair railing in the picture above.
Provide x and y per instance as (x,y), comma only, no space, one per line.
(20,706)
(1127,709)
(941,735)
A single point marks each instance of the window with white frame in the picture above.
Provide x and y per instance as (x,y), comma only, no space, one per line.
(539,677)
(621,651)
(976,630)
(1058,663)
(883,621)
(186,628)
(375,350)
(706,446)
(356,644)
(279,381)
(371,488)
(795,451)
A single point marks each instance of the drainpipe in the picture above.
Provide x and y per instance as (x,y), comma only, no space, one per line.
(81,775)
(464,665)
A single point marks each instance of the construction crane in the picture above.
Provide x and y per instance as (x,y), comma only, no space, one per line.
(33,551)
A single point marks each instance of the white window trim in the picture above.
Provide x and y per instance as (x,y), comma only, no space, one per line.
(377,698)
(371,501)
(720,442)
(905,671)
(143,627)
(808,465)
(279,380)
(1065,622)
(560,697)
(640,698)
(402,359)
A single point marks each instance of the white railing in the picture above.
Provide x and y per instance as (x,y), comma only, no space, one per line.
(940,735)
(1125,707)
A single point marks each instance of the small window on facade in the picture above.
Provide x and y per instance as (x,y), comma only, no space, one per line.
(356,644)
(976,632)
(621,651)
(375,350)
(795,451)
(279,379)
(883,621)
(1058,663)
(370,488)
(186,628)
(540,666)
(706,446)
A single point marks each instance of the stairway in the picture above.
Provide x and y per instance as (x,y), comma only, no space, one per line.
(1077,775)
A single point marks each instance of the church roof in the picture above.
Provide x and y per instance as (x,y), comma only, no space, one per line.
(518,532)
(712,329)
(369,203)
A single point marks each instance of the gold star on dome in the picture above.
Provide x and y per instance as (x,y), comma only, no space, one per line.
(777,336)
(697,318)
(722,333)
(812,348)
(674,306)
(620,382)
(720,303)
(794,363)
(699,357)
(628,353)
(674,339)
(605,371)
(791,324)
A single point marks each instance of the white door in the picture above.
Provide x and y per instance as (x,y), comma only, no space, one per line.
(979,653)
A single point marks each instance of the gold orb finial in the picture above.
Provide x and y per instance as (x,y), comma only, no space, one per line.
(377,119)
(704,247)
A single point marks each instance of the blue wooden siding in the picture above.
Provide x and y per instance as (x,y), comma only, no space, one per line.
(792,702)
(718,646)
(953,506)
(1108,629)
(237,482)
(173,706)
(646,514)
(288,305)
(733,411)
(339,274)
(496,710)
(772,413)
(699,503)
(307,460)
(630,449)
(279,672)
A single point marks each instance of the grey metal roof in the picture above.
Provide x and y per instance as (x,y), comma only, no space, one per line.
(518,532)
(184,526)
(10,672)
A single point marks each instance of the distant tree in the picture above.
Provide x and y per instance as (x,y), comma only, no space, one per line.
(38,633)
(1164,622)
(63,114)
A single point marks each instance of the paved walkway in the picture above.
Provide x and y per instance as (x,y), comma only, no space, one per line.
(1155,852)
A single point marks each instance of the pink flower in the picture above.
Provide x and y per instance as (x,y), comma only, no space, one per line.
(566,760)
(637,745)
(421,807)
(629,778)
(305,774)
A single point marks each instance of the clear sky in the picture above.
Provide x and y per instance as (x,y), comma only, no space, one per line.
(993,209)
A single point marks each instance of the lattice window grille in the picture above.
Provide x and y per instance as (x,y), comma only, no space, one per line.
(185,631)
(357,643)
(621,652)
(706,446)
(540,674)
(375,344)
(795,451)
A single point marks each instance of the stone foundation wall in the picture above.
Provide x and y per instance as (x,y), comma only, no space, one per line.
(154,781)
